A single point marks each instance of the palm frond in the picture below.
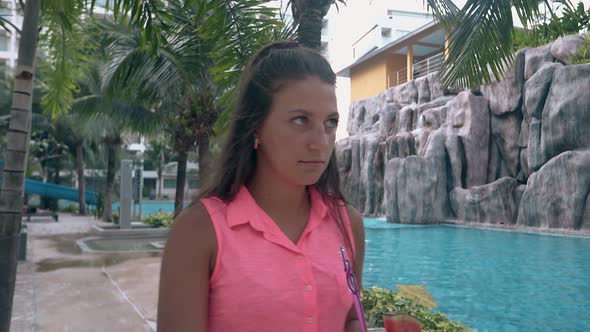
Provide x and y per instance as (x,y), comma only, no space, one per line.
(480,46)
(151,15)
(67,47)
(8,26)
(244,27)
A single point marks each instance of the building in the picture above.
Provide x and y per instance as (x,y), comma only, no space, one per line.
(411,55)
(10,11)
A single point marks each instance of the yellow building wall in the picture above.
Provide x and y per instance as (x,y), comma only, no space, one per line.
(395,63)
(369,78)
(376,75)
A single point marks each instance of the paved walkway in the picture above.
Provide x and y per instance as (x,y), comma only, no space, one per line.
(59,288)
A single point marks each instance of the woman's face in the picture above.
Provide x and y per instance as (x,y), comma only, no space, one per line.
(297,137)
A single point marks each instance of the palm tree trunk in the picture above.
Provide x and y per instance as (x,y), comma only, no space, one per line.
(180,181)
(17,149)
(309,32)
(81,179)
(110,185)
(204,155)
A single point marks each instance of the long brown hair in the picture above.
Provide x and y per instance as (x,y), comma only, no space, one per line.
(270,68)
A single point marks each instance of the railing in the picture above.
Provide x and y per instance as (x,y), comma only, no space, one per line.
(397,78)
(430,65)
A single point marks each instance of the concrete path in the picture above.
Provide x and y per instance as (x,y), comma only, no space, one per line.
(59,288)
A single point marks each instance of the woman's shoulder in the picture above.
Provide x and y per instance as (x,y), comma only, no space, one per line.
(356,224)
(193,228)
(356,219)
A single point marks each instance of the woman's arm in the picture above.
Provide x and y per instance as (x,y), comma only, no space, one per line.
(184,277)
(358,232)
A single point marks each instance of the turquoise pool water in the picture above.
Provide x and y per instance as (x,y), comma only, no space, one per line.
(491,280)
(150,207)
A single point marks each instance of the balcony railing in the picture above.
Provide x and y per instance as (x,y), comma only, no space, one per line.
(427,66)
(419,69)
(397,78)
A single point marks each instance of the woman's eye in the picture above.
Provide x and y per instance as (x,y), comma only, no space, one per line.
(301,120)
(332,123)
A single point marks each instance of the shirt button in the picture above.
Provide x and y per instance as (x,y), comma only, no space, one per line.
(308,288)
(309,320)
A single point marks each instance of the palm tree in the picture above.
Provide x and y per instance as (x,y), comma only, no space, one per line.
(107,117)
(190,69)
(308,16)
(159,152)
(11,193)
(73,130)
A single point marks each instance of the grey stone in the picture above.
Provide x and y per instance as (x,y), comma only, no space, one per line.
(423,89)
(523,135)
(505,96)
(415,187)
(400,146)
(436,88)
(504,130)
(563,123)
(566,114)
(524,166)
(556,196)
(421,137)
(535,152)
(518,193)
(492,203)
(468,137)
(405,119)
(404,94)
(388,120)
(365,113)
(565,47)
(360,169)
(537,89)
(535,58)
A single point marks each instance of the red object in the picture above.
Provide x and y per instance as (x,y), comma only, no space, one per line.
(401,322)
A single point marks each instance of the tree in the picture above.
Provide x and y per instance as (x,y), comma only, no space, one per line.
(308,16)
(199,55)
(159,153)
(11,193)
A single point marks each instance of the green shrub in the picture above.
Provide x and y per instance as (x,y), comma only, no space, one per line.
(573,19)
(159,219)
(377,301)
(583,54)
(69,209)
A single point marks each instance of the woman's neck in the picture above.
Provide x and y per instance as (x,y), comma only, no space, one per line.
(281,200)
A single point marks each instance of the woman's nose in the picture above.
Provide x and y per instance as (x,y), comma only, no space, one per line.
(319,138)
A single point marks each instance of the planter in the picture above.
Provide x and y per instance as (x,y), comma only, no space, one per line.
(401,322)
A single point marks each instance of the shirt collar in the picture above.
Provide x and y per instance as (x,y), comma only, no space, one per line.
(244,209)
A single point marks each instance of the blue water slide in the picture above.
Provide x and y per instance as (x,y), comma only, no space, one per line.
(52,190)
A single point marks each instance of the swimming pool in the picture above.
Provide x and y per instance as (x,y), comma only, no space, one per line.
(491,280)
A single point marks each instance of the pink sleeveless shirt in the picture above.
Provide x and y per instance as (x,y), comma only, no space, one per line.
(263,282)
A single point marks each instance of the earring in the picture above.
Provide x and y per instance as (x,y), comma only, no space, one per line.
(256,143)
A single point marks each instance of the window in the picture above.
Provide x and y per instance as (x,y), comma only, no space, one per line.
(193,184)
(169,183)
(4,12)
(3,42)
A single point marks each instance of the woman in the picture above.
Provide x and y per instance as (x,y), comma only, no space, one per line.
(259,250)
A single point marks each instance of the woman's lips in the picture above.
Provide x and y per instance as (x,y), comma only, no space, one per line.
(312,162)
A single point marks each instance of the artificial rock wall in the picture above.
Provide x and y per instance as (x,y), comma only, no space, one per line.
(514,152)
